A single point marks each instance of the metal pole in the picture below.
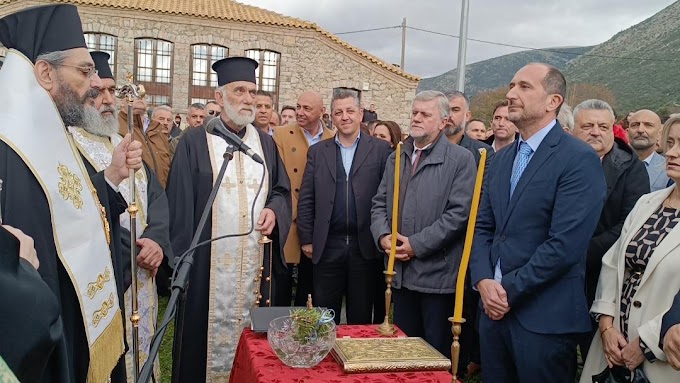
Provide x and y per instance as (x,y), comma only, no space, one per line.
(132,209)
(462,46)
(403,43)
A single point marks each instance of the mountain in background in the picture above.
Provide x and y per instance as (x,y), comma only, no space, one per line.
(498,71)
(639,65)
(637,83)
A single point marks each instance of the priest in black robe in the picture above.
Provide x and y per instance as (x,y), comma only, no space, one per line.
(33,343)
(95,141)
(222,284)
(48,42)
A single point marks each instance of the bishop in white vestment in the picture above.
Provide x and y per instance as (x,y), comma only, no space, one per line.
(95,141)
(48,194)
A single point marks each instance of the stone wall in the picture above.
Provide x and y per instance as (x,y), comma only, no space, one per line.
(309,60)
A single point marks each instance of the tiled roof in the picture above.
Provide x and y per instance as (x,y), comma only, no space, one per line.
(232,11)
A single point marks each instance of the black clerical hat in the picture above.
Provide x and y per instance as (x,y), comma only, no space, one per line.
(233,69)
(101,63)
(44,29)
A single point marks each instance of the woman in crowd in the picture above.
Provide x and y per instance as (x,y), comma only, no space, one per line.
(639,279)
(388,131)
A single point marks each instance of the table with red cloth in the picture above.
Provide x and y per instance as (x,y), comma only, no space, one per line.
(255,362)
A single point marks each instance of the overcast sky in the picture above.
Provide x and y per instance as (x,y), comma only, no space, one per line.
(531,23)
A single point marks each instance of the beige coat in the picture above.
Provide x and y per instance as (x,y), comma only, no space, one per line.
(660,282)
(293,145)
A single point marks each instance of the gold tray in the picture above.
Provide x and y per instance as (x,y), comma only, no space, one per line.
(360,355)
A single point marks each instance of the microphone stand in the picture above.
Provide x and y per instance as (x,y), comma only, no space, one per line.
(180,283)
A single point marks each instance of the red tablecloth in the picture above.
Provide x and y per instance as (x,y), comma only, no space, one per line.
(255,362)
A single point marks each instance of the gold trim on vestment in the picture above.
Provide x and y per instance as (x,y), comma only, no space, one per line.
(103,311)
(105,350)
(98,285)
(70,186)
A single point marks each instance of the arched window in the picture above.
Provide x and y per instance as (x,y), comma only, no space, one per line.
(203,78)
(267,75)
(153,69)
(105,43)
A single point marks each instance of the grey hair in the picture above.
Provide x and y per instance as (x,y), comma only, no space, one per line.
(442,101)
(457,94)
(566,117)
(159,108)
(593,104)
(197,105)
(56,58)
(341,94)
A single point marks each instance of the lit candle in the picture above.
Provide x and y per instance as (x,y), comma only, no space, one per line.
(395,208)
(467,249)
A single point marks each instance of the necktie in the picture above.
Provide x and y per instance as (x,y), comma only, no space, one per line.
(416,158)
(521,164)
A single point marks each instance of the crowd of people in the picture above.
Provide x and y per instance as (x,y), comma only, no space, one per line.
(573,247)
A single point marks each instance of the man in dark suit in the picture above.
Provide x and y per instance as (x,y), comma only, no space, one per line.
(670,333)
(345,171)
(626,177)
(459,115)
(534,223)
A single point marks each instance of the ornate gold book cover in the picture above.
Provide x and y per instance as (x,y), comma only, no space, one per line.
(358,355)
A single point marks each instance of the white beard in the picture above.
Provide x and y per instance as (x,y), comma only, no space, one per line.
(94,123)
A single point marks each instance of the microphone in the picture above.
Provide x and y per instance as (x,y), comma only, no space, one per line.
(216,127)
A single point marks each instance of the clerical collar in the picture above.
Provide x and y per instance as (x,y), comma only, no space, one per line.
(241,133)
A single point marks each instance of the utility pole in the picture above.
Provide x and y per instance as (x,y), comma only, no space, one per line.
(403,43)
(462,46)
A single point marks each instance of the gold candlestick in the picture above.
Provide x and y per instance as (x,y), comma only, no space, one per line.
(386,328)
(457,320)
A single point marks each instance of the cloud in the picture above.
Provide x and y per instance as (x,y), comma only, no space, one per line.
(542,24)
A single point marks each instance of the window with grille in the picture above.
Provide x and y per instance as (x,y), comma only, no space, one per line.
(267,75)
(203,78)
(105,43)
(153,69)
(203,101)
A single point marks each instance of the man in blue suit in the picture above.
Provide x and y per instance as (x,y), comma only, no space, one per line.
(541,202)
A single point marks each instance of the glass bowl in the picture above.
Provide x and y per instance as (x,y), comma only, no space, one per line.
(303,352)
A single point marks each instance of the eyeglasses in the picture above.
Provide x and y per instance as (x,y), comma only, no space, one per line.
(88,71)
(215,113)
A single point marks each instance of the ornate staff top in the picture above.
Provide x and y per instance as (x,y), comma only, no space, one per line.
(130,91)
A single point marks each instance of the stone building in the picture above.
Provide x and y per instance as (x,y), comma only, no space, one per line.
(170,45)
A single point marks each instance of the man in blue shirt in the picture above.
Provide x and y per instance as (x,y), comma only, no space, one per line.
(334,213)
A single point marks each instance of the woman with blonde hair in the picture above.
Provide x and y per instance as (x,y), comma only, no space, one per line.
(639,280)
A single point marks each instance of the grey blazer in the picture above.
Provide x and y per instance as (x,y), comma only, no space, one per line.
(657,172)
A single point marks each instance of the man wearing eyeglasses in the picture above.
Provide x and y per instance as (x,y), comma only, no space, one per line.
(213,108)
(49,196)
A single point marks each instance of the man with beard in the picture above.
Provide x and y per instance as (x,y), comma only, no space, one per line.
(644,131)
(47,193)
(459,115)
(224,282)
(542,198)
(95,141)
